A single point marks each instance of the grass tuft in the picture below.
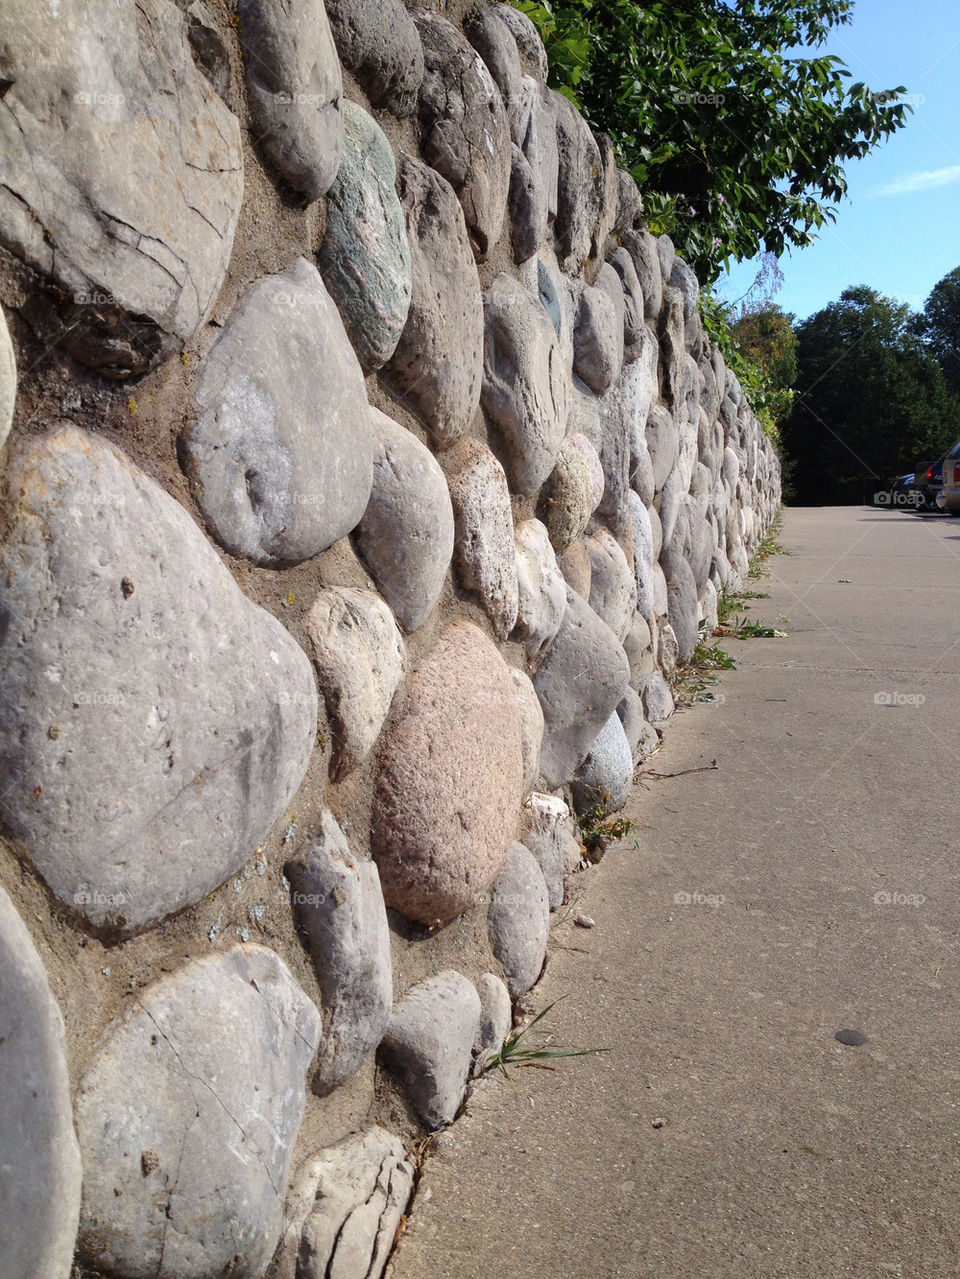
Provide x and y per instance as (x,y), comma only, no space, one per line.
(516,1052)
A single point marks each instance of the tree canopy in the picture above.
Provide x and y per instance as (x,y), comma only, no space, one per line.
(940,326)
(871,399)
(766,337)
(737,138)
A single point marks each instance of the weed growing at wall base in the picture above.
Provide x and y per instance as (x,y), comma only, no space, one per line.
(694,681)
(515,1052)
(597,829)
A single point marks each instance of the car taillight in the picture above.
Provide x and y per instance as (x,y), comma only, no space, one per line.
(929,472)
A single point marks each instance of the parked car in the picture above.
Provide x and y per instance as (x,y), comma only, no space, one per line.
(951,481)
(927,483)
(897,495)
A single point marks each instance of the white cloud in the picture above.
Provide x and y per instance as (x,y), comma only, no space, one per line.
(925,180)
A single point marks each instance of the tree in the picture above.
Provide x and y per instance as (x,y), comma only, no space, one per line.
(941,326)
(766,338)
(870,399)
(736,146)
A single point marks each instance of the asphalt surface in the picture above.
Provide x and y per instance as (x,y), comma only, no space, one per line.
(806,886)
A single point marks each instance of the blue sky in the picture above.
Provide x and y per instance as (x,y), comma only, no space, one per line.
(899,230)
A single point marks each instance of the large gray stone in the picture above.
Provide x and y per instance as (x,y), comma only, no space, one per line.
(449,789)
(638,647)
(360,659)
(683,608)
(606,775)
(598,339)
(465,132)
(638,389)
(581,187)
(524,382)
(365,256)
(406,534)
(378,42)
(641,737)
(712,388)
(209,48)
(282,455)
(699,548)
(615,459)
(531,727)
(643,557)
(610,194)
(121,178)
(496,1016)
(493,40)
(667,253)
(684,278)
(533,56)
(659,592)
(673,351)
(633,304)
(550,835)
(668,650)
(663,444)
(39,1156)
(642,247)
(527,214)
(190,1107)
(356,1194)
(294,90)
(339,912)
(641,471)
(673,519)
(8,380)
(436,368)
(429,1044)
(592,458)
(574,564)
(542,596)
(566,499)
(519,919)
(580,681)
(629,203)
(484,551)
(154,723)
(535,167)
(541,279)
(657,699)
(613,588)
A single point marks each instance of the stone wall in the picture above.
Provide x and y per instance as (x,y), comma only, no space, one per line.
(369,473)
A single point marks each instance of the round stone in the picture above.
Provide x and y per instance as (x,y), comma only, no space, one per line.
(448,795)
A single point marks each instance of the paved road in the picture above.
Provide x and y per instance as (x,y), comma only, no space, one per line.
(827,839)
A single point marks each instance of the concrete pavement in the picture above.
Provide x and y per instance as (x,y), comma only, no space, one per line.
(808,885)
